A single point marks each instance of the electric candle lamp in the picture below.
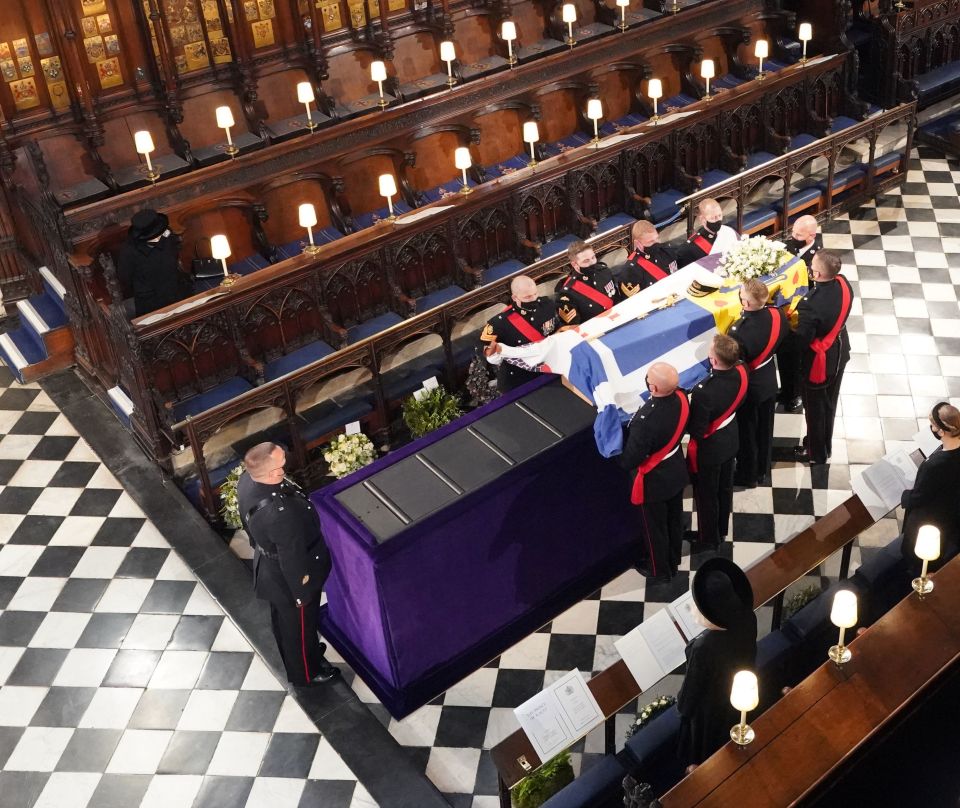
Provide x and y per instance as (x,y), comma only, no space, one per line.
(927,549)
(655,91)
(570,17)
(595,113)
(308,219)
(707,72)
(143,142)
(378,72)
(805,34)
(531,134)
(761,51)
(220,250)
(447,54)
(225,121)
(624,5)
(305,97)
(461,158)
(744,696)
(509,33)
(388,187)
(843,615)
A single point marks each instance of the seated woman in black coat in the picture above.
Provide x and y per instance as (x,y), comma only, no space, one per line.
(149,263)
(724,597)
(935,496)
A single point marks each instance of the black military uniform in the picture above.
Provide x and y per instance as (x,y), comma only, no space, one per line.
(151,270)
(821,329)
(714,440)
(520,325)
(697,246)
(645,267)
(758,333)
(290,565)
(652,452)
(586,293)
(790,351)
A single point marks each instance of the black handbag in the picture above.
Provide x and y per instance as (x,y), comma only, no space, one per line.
(202,268)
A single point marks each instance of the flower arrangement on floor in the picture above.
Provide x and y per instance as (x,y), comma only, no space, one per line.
(432,410)
(230,510)
(535,789)
(753,257)
(799,599)
(646,714)
(347,453)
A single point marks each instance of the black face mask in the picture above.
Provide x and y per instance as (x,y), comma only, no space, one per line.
(530,305)
(714,227)
(646,381)
(934,432)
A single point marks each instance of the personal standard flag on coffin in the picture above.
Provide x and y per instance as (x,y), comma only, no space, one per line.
(606,359)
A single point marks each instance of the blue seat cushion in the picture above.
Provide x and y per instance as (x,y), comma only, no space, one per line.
(663,206)
(757,219)
(615,221)
(886,162)
(329,415)
(501,270)
(373,326)
(774,656)
(653,750)
(712,177)
(249,264)
(849,176)
(840,123)
(757,158)
(191,485)
(800,199)
(679,100)
(612,127)
(601,784)
(557,246)
(571,141)
(727,82)
(940,80)
(464,349)
(296,359)
(211,398)
(452,187)
(400,382)
(941,126)
(363,220)
(438,298)
(514,163)
(325,235)
(802,139)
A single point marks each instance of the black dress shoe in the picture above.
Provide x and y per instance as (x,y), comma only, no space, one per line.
(744,483)
(326,673)
(801,455)
(794,405)
(763,479)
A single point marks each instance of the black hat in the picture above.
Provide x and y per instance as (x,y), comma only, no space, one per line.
(722,592)
(147,224)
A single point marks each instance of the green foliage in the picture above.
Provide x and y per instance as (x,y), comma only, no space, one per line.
(434,409)
(646,714)
(799,599)
(228,497)
(535,790)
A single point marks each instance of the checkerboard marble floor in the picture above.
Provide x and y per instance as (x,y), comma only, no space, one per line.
(122,682)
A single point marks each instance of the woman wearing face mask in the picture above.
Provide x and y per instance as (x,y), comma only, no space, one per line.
(149,263)
(934,499)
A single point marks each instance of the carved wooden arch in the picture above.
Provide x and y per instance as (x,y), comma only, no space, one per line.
(195,357)
(649,168)
(597,189)
(423,263)
(486,238)
(357,284)
(292,311)
(545,211)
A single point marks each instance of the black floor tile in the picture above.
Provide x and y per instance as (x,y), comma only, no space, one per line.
(73,474)
(569,651)
(487,782)
(328,793)
(289,754)
(255,711)
(17,399)
(63,707)
(142,562)
(80,595)
(9,738)
(89,750)
(790,501)
(36,529)
(195,633)
(37,667)
(131,668)
(9,585)
(462,726)
(619,616)
(96,502)
(666,592)
(21,789)
(514,686)
(18,628)
(53,447)
(7,469)
(189,752)
(753,527)
(105,630)
(120,790)
(33,423)
(159,709)
(230,792)
(18,499)
(57,562)
(118,532)
(224,670)
(168,597)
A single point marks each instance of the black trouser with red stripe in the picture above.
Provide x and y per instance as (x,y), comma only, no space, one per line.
(788,368)
(713,498)
(820,411)
(661,532)
(295,629)
(755,425)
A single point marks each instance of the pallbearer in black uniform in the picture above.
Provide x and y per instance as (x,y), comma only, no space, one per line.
(821,329)
(759,332)
(290,561)
(705,240)
(714,439)
(588,290)
(529,319)
(652,453)
(649,261)
(804,242)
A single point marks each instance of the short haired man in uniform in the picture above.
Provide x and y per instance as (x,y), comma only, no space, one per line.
(821,330)
(714,439)
(649,262)
(652,452)
(529,319)
(804,242)
(713,235)
(759,332)
(588,290)
(290,561)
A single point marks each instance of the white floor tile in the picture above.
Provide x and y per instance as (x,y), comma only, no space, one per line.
(39,749)
(139,751)
(275,792)
(85,667)
(178,670)
(124,595)
(172,791)
(239,754)
(207,710)
(18,704)
(111,708)
(150,632)
(36,594)
(68,790)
